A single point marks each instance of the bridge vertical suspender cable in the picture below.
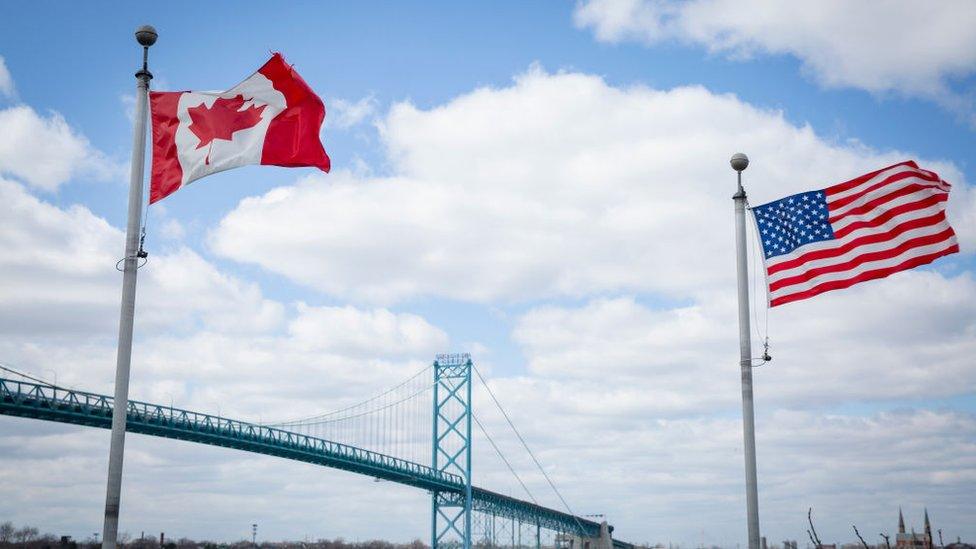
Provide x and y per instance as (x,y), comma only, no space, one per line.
(392,422)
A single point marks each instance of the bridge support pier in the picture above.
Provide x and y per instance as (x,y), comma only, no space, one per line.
(451,450)
(604,541)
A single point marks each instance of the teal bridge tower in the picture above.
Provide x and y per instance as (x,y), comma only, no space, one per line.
(451,448)
(383,437)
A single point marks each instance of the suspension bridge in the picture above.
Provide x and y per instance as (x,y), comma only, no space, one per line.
(417,433)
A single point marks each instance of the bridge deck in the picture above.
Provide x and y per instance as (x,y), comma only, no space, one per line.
(38,401)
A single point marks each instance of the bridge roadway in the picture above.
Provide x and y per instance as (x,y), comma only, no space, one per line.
(47,402)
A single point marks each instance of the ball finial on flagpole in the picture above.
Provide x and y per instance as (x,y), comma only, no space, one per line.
(739,162)
(146,35)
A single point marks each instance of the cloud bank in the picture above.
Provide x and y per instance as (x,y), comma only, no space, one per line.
(559,185)
(879,47)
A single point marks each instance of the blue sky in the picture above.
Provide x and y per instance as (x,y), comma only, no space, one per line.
(542,184)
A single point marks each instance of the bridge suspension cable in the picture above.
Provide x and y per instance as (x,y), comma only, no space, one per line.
(504,459)
(8,368)
(525,445)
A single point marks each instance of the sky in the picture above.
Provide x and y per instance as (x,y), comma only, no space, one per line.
(542,184)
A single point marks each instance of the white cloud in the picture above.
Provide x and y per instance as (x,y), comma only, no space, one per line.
(59,277)
(559,185)
(7,88)
(910,333)
(345,114)
(835,464)
(57,264)
(876,46)
(194,324)
(172,229)
(128,101)
(46,152)
(377,333)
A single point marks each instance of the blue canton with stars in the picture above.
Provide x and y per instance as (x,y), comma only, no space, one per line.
(786,224)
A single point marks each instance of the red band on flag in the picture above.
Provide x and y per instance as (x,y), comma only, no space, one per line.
(293,136)
(167,175)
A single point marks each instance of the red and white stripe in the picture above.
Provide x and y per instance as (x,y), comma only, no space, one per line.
(883,222)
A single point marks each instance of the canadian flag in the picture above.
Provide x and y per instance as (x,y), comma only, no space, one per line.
(273,117)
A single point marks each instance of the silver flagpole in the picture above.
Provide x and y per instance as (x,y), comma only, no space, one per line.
(146,36)
(739,163)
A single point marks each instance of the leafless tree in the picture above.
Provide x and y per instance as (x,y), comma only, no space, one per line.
(941,544)
(6,532)
(812,532)
(887,539)
(25,534)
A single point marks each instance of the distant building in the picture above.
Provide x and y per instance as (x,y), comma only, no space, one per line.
(913,540)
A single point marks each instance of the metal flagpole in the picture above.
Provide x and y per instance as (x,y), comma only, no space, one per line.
(739,163)
(146,36)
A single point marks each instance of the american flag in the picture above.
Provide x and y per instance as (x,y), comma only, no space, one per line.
(866,228)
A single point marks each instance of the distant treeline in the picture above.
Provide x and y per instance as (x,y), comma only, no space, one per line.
(29,537)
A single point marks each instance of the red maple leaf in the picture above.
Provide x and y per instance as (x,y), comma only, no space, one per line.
(222,119)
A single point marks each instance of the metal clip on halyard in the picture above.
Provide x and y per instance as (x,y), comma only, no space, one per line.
(141,254)
(765,358)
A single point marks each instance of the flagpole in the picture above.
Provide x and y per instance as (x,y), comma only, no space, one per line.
(146,36)
(739,163)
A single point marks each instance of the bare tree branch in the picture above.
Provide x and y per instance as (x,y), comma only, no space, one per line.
(864,543)
(887,539)
(812,532)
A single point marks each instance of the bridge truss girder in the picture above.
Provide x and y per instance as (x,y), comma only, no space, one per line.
(45,402)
